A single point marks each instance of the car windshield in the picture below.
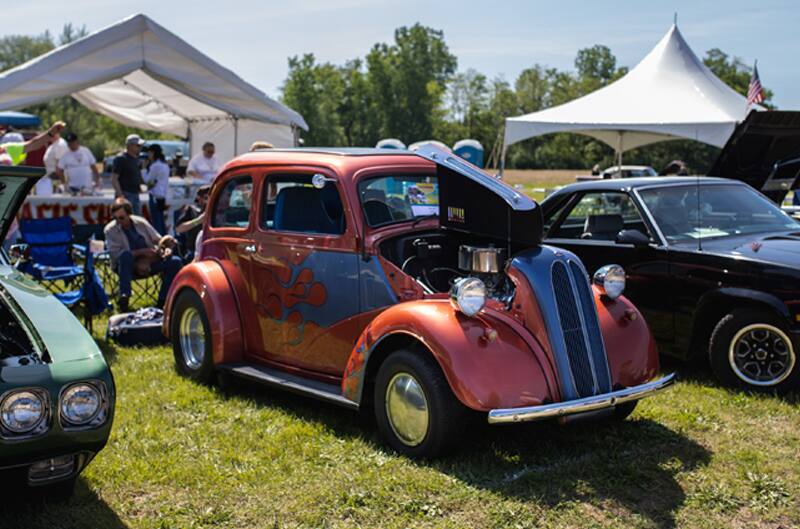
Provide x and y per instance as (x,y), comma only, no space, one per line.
(721,211)
(389,199)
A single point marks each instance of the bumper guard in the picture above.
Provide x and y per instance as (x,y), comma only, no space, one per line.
(586,404)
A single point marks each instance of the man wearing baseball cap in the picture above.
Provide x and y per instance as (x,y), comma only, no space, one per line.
(126,175)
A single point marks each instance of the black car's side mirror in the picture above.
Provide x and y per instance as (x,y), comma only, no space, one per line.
(634,237)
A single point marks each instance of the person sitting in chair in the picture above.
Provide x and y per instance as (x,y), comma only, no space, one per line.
(137,250)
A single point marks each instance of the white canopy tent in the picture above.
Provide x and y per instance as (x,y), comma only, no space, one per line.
(670,94)
(144,76)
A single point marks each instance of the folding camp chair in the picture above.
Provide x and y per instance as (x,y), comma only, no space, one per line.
(91,293)
(47,252)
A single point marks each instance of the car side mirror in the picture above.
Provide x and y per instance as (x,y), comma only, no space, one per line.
(634,237)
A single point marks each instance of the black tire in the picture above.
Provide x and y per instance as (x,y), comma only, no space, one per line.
(623,411)
(446,415)
(188,305)
(735,352)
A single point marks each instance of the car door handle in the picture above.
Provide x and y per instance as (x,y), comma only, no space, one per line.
(250,248)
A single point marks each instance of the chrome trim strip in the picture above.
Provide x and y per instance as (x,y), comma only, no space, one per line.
(597,402)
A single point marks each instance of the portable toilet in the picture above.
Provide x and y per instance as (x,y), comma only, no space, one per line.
(390,143)
(470,150)
(416,145)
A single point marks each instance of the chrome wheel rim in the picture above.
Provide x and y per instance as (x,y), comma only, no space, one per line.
(192,338)
(407,409)
(761,355)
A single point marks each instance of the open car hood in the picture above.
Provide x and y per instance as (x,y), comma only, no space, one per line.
(764,152)
(472,201)
(15,184)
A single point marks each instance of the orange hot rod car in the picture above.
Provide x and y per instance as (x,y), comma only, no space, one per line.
(414,284)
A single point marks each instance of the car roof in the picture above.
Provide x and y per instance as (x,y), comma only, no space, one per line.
(345,160)
(621,184)
(626,167)
(340,151)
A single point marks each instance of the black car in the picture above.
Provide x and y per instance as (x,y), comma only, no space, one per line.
(713,265)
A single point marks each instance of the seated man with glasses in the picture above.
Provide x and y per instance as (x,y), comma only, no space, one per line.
(137,251)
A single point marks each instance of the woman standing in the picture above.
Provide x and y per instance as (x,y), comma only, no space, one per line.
(156,176)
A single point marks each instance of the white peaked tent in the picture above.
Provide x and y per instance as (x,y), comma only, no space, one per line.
(670,94)
(144,76)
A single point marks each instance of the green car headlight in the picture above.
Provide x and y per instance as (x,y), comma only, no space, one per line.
(22,412)
(81,404)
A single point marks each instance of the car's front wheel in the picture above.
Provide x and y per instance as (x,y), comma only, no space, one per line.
(191,338)
(752,348)
(415,409)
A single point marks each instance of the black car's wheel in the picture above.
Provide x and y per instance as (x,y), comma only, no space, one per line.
(191,338)
(752,348)
(415,409)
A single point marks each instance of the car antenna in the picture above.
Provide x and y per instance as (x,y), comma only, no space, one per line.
(699,223)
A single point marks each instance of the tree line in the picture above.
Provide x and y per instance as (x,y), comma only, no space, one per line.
(412,89)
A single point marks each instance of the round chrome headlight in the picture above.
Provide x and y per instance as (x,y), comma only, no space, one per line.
(80,404)
(22,412)
(611,280)
(468,294)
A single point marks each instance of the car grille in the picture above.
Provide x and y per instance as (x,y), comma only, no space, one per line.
(582,339)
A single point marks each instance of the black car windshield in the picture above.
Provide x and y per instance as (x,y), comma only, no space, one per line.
(389,199)
(723,210)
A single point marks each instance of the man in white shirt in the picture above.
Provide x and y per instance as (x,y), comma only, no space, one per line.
(78,166)
(44,186)
(204,165)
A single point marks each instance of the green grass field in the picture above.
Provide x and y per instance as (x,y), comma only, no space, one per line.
(183,455)
(188,456)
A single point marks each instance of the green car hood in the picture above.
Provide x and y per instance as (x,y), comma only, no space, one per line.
(15,184)
(54,329)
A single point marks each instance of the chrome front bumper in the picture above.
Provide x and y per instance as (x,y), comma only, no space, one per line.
(594,403)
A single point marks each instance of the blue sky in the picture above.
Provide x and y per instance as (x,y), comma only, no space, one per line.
(501,37)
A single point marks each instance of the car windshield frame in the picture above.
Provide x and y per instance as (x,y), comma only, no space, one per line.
(431,179)
(709,234)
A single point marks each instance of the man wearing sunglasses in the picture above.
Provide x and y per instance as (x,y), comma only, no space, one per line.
(133,245)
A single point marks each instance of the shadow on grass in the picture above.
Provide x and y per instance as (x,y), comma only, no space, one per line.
(632,464)
(84,510)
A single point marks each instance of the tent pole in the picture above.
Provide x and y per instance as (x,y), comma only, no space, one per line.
(502,160)
(235,136)
(619,156)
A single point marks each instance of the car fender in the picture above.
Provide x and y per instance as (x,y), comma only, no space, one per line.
(485,361)
(209,281)
(735,293)
(630,348)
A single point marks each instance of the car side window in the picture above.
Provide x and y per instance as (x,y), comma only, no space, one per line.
(292,203)
(232,208)
(600,216)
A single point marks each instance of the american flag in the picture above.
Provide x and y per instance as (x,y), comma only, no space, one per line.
(755,93)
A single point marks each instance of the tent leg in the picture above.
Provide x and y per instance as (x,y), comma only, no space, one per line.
(236,136)
(619,156)
(503,160)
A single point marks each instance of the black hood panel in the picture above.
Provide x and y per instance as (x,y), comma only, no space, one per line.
(472,201)
(757,144)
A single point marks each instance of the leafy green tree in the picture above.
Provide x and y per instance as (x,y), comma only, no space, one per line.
(315,91)
(407,82)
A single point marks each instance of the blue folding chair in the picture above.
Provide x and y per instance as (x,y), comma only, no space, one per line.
(47,249)
(91,293)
